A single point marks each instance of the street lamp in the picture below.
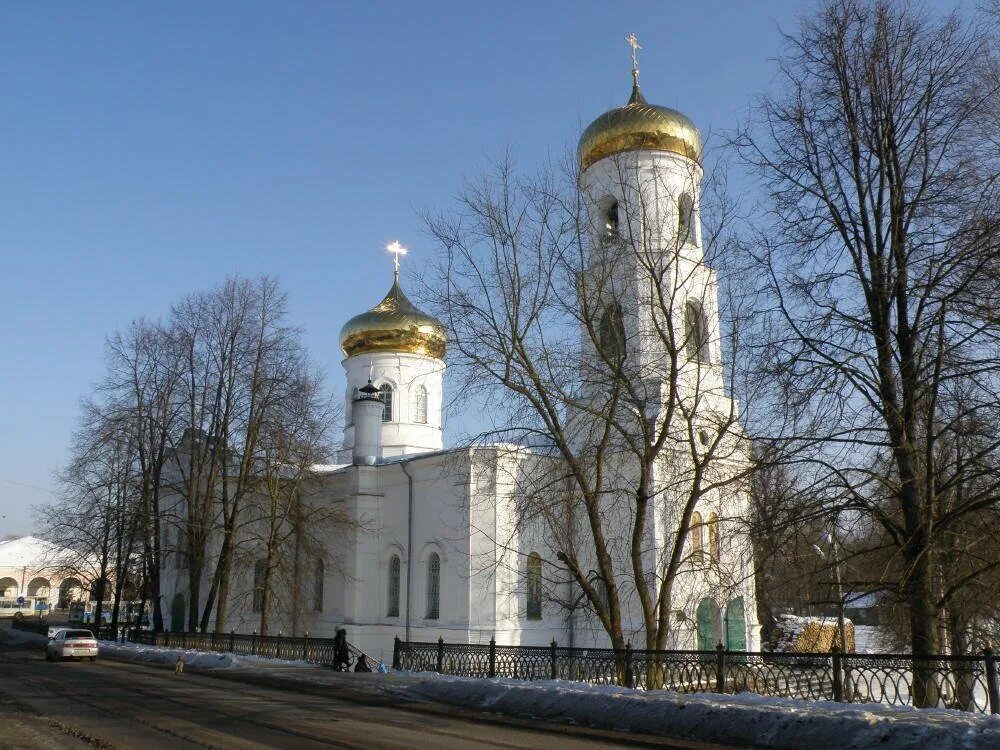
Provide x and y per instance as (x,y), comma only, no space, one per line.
(831,539)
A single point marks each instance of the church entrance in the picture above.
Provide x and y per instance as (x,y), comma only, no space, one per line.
(177,614)
(736,626)
(708,615)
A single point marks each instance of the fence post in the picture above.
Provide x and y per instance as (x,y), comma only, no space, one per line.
(554,667)
(493,657)
(232,637)
(629,677)
(277,646)
(991,681)
(253,643)
(440,661)
(305,646)
(720,669)
(838,674)
(395,653)
(184,640)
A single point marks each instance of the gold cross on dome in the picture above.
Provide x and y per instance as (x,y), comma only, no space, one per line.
(633,42)
(396,249)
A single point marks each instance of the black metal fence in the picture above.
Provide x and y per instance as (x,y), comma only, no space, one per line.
(968,683)
(304,648)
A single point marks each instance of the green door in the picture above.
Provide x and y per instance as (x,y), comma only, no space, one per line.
(705,629)
(736,626)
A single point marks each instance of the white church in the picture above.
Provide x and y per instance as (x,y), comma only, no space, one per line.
(433,549)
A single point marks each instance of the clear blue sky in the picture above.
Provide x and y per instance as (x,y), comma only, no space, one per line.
(151,149)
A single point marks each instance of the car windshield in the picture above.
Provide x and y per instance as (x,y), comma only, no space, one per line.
(75,635)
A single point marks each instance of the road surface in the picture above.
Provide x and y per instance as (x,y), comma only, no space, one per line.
(109,704)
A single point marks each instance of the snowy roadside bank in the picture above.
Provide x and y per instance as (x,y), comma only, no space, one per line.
(744,720)
(741,720)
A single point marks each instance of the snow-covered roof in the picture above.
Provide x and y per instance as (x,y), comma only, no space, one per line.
(31,552)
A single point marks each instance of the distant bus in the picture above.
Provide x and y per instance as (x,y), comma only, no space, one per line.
(84,613)
(9,606)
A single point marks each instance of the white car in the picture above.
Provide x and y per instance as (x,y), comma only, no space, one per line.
(71,644)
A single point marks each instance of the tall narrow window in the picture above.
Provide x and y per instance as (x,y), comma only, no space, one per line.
(685,219)
(392,610)
(697,541)
(351,397)
(258,585)
(420,405)
(433,586)
(611,221)
(385,396)
(714,548)
(612,332)
(695,331)
(318,586)
(534,575)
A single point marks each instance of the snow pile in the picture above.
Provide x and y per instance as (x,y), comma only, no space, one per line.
(195,659)
(740,720)
(809,635)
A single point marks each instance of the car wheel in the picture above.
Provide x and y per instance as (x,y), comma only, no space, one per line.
(48,656)
(93,658)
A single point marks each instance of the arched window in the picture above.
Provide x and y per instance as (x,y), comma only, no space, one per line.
(8,587)
(695,331)
(612,332)
(534,575)
(714,549)
(697,541)
(351,398)
(420,405)
(433,586)
(385,396)
(318,585)
(392,610)
(611,221)
(685,219)
(259,568)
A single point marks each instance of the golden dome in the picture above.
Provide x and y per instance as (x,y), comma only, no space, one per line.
(394,325)
(639,126)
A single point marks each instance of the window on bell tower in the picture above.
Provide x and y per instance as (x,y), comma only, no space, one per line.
(695,332)
(612,332)
(685,219)
(611,219)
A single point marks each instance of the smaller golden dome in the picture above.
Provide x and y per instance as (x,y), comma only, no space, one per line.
(639,126)
(394,325)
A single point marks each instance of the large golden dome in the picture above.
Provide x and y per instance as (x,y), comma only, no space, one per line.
(394,325)
(639,126)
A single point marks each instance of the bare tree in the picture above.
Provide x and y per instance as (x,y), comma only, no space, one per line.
(881,251)
(589,332)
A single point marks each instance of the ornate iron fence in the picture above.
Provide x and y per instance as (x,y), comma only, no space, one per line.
(968,683)
(302,648)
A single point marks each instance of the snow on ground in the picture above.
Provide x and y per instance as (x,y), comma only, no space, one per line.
(869,639)
(740,720)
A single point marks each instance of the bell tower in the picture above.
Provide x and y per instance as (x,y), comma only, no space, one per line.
(648,290)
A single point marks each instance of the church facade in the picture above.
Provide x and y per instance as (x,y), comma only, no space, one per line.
(428,543)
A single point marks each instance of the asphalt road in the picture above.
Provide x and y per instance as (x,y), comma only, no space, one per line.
(109,704)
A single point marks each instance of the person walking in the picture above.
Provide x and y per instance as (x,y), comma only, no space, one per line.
(341,656)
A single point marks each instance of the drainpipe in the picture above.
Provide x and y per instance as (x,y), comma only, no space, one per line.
(409,542)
